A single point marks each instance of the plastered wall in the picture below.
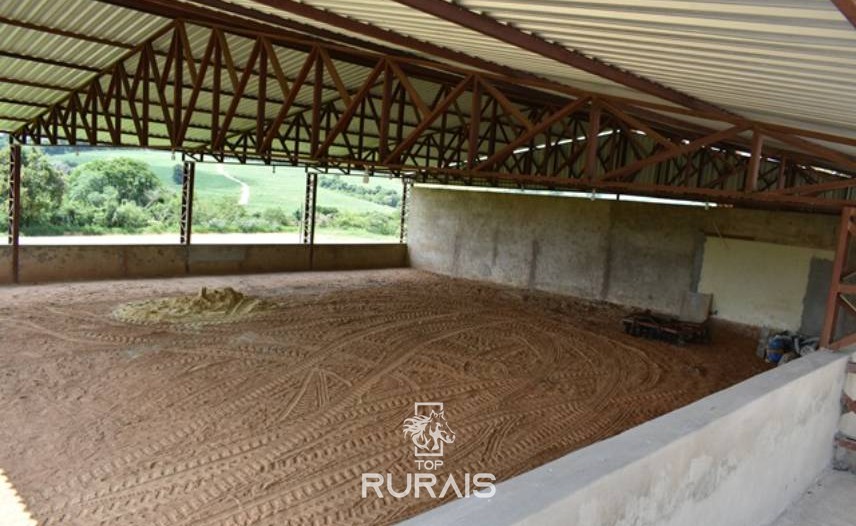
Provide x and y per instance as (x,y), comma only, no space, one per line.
(736,458)
(639,254)
(765,282)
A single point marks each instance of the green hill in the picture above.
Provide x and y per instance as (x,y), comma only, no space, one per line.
(347,204)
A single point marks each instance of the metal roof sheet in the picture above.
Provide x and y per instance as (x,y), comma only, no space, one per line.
(786,61)
(791,62)
(399,18)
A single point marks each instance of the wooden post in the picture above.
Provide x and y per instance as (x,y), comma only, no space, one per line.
(751,183)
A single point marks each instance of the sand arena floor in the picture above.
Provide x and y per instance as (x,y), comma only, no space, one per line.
(273,420)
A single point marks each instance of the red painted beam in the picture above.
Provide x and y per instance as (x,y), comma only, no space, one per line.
(848,9)
(829,323)
(511,35)
(391,37)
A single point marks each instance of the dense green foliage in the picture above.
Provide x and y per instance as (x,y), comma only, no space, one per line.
(120,194)
(42,188)
(375,194)
(124,195)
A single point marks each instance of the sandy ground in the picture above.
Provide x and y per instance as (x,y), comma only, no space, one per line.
(272,420)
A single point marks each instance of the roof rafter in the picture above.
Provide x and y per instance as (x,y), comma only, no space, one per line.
(63,33)
(392,37)
(251,23)
(575,139)
(848,9)
(49,61)
(236,17)
(491,27)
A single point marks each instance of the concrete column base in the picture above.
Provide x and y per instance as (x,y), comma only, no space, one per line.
(844,458)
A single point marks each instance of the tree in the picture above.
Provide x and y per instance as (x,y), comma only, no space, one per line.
(42,186)
(120,193)
(132,180)
(178,174)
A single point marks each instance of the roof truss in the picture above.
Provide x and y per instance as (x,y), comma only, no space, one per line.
(216,91)
(488,26)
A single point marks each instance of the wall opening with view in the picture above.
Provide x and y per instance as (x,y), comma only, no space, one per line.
(132,196)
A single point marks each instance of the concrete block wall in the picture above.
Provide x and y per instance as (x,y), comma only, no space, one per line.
(639,254)
(68,263)
(736,458)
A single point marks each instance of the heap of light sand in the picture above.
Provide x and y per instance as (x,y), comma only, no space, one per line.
(208,306)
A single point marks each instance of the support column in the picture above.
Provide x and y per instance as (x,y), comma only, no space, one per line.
(751,183)
(405,209)
(15,207)
(309,213)
(592,136)
(187,184)
(838,288)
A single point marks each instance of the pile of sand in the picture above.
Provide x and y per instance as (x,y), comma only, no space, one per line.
(208,306)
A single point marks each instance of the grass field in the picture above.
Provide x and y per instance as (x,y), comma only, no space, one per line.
(284,188)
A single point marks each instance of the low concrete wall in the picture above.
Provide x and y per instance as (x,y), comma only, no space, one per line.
(638,254)
(68,263)
(736,458)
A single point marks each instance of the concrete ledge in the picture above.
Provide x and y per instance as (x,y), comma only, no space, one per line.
(69,263)
(738,457)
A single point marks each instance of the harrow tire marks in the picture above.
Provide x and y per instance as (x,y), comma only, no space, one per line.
(272,420)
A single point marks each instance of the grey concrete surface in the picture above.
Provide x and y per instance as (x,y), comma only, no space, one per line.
(93,262)
(638,254)
(814,303)
(739,457)
(831,501)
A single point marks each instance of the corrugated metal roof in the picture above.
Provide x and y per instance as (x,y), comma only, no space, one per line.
(402,19)
(43,73)
(789,61)
(84,17)
(87,17)
(55,47)
(321,26)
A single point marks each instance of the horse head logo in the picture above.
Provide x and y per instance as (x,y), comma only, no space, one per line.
(429,432)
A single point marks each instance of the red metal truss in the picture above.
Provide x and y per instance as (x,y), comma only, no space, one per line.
(209,90)
(837,329)
(488,26)
(848,9)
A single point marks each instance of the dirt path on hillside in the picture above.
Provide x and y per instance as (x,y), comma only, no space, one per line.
(244,198)
(272,419)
